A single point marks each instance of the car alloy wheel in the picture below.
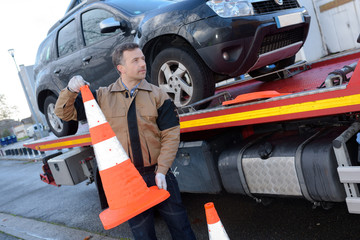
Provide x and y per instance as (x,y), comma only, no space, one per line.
(55,122)
(175,79)
(59,127)
(183,75)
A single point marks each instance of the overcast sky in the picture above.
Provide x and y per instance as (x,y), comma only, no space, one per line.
(24,24)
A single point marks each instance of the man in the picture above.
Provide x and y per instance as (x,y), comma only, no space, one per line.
(145,121)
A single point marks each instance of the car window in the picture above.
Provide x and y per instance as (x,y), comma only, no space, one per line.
(44,54)
(91,25)
(67,39)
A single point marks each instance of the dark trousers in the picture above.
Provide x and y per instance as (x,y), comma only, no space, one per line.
(172,210)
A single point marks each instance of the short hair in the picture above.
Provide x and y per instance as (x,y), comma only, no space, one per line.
(117,56)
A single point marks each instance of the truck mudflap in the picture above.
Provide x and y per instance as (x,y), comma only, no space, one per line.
(47,176)
(288,163)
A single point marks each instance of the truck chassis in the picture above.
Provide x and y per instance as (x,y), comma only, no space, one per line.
(293,137)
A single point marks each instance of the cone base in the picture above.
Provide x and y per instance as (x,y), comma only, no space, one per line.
(111,218)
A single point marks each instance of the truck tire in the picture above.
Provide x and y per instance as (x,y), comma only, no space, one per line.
(271,68)
(59,127)
(183,75)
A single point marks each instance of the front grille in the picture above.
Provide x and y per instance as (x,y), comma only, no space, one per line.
(279,40)
(272,6)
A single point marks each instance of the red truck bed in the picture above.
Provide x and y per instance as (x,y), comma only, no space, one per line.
(304,100)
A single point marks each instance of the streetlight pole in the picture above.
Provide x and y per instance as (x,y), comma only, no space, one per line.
(12,54)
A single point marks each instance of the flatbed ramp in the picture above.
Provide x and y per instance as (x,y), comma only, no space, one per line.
(305,99)
(303,94)
(54,143)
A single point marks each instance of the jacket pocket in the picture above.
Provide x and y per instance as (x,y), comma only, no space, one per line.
(151,147)
(148,116)
(148,112)
(115,112)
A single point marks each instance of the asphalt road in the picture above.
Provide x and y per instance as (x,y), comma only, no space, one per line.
(23,194)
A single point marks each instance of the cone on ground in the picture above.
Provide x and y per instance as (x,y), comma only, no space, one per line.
(215,227)
(126,191)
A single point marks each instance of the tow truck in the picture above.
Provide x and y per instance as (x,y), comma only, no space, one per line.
(293,137)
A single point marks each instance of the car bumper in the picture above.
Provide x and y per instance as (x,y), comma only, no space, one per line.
(247,43)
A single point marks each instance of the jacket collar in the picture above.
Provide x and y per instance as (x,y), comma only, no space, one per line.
(119,87)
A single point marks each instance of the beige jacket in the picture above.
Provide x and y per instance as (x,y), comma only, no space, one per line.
(157,119)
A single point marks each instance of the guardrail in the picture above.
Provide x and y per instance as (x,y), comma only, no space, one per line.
(20,152)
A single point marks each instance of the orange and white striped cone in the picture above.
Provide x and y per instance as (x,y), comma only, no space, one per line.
(126,191)
(215,227)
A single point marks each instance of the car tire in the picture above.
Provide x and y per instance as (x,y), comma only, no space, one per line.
(183,75)
(268,69)
(59,127)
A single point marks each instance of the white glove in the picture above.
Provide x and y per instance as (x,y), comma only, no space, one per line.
(76,82)
(160,181)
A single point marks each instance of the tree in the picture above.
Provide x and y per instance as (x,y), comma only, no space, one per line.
(6,133)
(6,111)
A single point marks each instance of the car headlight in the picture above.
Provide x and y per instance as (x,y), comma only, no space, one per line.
(231,8)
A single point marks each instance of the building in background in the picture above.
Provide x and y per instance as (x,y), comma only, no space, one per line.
(20,131)
(6,127)
(27,74)
(335,27)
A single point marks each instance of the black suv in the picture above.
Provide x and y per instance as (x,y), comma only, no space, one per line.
(189,45)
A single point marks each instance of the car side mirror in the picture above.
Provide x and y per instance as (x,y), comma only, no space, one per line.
(358,40)
(110,25)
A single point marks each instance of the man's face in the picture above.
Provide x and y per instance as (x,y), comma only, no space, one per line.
(133,66)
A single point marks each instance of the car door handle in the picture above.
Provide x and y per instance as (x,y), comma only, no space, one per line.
(57,71)
(87,59)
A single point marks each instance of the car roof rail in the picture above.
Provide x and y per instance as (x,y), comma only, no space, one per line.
(70,10)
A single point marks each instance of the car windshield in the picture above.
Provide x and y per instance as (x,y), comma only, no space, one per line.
(141,6)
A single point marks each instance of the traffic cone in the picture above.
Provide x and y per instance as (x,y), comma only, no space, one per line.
(126,191)
(215,227)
